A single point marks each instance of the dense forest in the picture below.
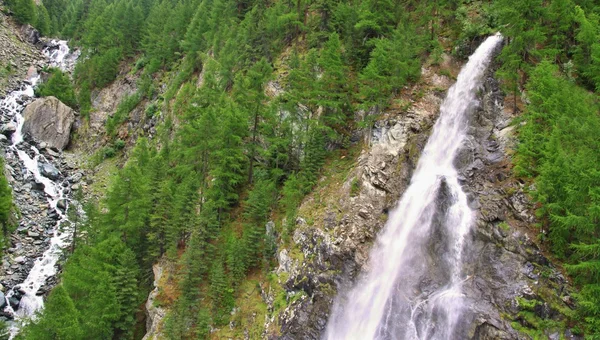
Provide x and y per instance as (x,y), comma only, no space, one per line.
(227,157)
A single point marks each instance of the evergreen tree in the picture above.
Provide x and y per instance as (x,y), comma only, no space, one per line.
(6,205)
(64,322)
(43,23)
(24,11)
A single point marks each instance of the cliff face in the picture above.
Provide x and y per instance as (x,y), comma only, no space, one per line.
(511,287)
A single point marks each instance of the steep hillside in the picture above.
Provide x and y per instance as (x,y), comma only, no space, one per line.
(238,160)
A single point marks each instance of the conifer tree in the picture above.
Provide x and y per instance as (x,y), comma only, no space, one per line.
(24,11)
(64,323)
(6,204)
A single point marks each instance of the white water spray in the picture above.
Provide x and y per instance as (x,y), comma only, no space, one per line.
(412,288)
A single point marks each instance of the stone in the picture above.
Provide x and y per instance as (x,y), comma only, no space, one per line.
(53,215)
(33,234)
(49,120)
(38,186)
(62,204)
(3,139)
(2,300)
(20,259)
(8,129)
(30,34)
(14,302)
(49,170)
(75,178)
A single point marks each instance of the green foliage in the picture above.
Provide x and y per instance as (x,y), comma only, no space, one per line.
(393,63)
(559,149)
(23,10)
(64,323)
(6,207)
(203,189)
(58,85)
(43,23)
(127,104)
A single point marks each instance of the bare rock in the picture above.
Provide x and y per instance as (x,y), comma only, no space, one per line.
(49,120)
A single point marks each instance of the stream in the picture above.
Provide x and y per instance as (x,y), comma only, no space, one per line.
(41,190)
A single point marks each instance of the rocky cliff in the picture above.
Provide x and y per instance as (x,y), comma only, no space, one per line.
(512,287)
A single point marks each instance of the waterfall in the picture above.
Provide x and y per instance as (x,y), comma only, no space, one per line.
(11,106)
(412,287)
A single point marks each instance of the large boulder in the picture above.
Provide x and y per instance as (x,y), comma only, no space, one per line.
(49,120)
(30,34)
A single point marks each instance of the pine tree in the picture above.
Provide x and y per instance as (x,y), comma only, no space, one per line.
(221,293)
(43,23)
(334,85)
(58,321)
(6,204)
(251,96)
(24,11)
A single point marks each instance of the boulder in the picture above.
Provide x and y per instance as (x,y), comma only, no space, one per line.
(30,34)
(62,204)
(49,120)
(8,129)
(49,170)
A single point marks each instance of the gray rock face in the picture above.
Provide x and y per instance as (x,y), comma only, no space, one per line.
(30,34)
(154,313)
(49,120)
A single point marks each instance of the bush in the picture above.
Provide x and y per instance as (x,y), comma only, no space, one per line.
(119,144)
(109,152)
(58,85)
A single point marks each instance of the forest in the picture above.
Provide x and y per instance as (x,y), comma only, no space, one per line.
(227,158)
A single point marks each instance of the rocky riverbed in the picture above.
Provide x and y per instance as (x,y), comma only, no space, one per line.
(43,182)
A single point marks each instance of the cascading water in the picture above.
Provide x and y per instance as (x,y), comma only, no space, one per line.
(32,160)
(412,288)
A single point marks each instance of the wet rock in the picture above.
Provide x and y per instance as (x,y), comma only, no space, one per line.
(39,186)
(49,120)
(14,302)
(49,170)
(8,129)
(2,300)
(62,204)
(53,215)
(20,259)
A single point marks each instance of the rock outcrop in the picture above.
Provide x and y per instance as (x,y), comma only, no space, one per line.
(48,120)
(154,313)
(509,277)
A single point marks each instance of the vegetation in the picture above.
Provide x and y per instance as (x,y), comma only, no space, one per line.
(6,207)
(58,85)
(227,157)
(553,50)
